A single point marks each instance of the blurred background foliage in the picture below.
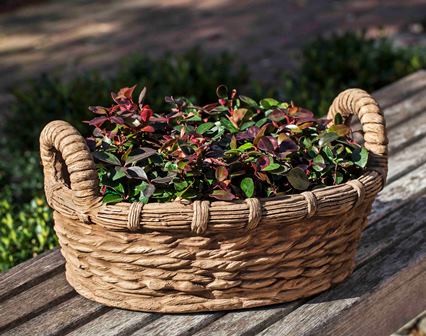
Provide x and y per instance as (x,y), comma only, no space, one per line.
(327,66)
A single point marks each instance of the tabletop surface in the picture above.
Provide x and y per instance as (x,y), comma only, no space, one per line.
(387,288)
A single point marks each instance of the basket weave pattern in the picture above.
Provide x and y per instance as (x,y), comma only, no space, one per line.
(203,256)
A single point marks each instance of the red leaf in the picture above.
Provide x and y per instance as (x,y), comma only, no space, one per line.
(265,144)
(221,173)
(215,161)
(98,109)
(222,195)
(148,129)
(117,120)
(263,161)
(160,119)
(97,122)
(146,113)
(260,134)
(126,92)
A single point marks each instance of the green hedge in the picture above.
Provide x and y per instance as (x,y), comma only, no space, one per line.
(327,67)
(331,65)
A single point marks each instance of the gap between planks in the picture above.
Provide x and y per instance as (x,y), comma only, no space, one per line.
(376,300)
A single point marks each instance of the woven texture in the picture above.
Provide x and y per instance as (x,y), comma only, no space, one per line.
(204,256)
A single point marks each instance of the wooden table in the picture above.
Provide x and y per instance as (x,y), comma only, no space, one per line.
(387,289)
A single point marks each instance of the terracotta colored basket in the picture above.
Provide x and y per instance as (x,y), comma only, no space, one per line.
(204,256)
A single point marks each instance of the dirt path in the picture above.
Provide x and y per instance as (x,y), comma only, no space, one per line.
(75,35)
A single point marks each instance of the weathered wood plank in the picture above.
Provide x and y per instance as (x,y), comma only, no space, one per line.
(405,109)
(376,300)
(377,237)
(68,315)
(30,273)
(411,131)
(398,193)
(248,322)
(113,322)
(35,300)
(401,89)
(406,160)
(177,325)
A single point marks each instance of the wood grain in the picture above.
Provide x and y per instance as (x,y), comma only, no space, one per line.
(398,193)
(376,300)
(177,325)
(410,132)
(30,273)
(401,89)
(114,322)
(406,109)
(66,316)
(35,300)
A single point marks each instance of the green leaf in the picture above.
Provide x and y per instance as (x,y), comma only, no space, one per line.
(360,157)
(107,157)
(261,122)
(228,125)
(246,146)
(328,152)
(140,188)
(338,178)
(340,130)
(298,179)
(247,186)
(319,163)
(249,101)
(112,198)
(180,185)
(307,142)
(204,127)
(246,125)
(119,188)
(283,105)
(119,173)
(195,118)
(327,137)
(171,166)
(319,159)
(338,119)
(272,166)
(268,103)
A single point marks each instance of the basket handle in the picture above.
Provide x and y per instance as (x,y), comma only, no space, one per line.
(361,104)
(66,159)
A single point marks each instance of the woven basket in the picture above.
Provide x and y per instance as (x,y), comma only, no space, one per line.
(205,256)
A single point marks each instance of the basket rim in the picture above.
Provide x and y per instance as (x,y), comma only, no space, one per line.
(79,197)
(222,215)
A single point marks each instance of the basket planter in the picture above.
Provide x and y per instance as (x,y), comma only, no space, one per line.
(205,256)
